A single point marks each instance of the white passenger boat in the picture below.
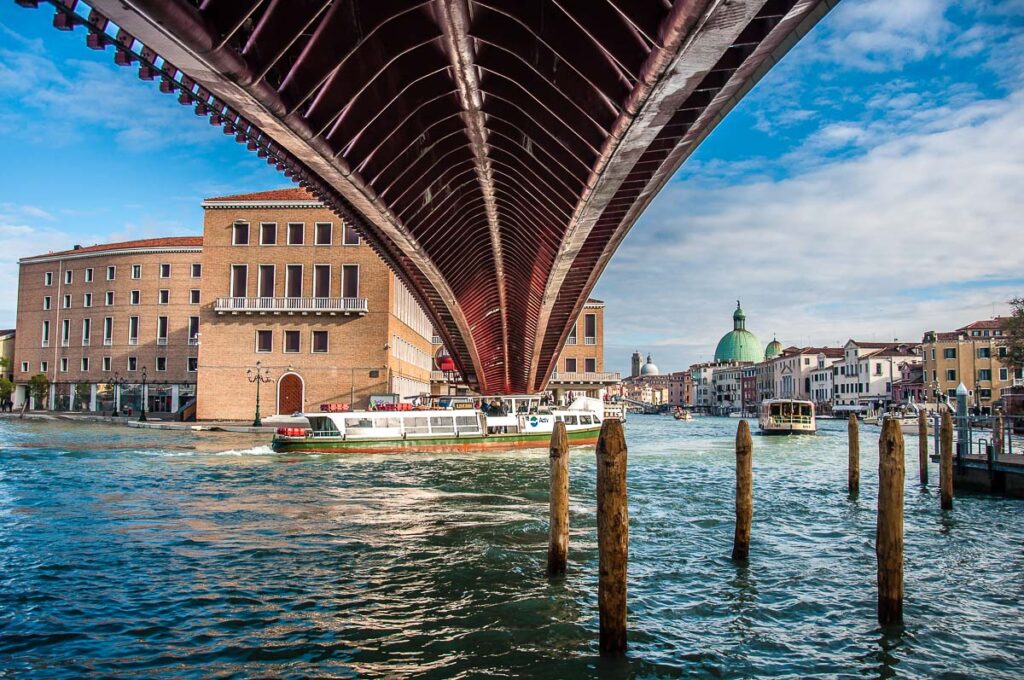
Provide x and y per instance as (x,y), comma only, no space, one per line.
(452,425)
(787,416)
(906,416)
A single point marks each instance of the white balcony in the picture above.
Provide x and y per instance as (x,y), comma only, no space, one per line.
(585,377)
(194,340)
(292,305)
(161,341)
(589,341)
(107,342)
(65,342)
(436,340)
(133,341)
(571,340)
(85,342)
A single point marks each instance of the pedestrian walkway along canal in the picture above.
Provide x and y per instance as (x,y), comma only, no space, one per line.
(127,552)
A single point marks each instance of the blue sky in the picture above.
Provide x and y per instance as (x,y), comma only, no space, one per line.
(870,186)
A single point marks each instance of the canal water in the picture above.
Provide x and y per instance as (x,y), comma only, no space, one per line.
(137,553)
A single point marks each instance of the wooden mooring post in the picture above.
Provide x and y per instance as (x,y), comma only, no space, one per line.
(997,435)
(853,475)
(922,446)
(744,491)
(889,533)
(946,462)
(612,537)
(558,515)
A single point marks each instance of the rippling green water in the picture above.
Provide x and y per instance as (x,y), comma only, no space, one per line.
(134,553)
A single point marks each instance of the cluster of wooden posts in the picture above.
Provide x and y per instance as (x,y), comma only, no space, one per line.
(613,517)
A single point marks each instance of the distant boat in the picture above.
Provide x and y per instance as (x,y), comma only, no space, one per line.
(736,414)
(787,416)
(682,414)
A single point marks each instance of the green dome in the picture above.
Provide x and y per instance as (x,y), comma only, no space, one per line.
(773,349)
(739,344)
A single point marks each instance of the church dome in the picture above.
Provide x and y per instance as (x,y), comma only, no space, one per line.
(773,349)
(649,368)
(739,344)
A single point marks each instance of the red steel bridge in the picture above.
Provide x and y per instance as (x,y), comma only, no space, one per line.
(493,152)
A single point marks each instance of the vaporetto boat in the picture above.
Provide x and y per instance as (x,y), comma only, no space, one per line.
(517,422)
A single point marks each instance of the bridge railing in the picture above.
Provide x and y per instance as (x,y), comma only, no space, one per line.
(585,377)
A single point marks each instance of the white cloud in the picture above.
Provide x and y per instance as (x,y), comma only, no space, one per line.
(920,231)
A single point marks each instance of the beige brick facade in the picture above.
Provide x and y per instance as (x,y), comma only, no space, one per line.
(106,317)
(973,355)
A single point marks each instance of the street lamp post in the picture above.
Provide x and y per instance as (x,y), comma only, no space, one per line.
(258,375)
(142,410)
(116,382)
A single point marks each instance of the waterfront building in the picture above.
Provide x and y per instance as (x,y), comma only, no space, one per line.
(748,389)
(739,344)
(94,320)
(822,382)
(909,387)
(289,284)
(726,388)
(793,368)
(7,338)
(680,389)
(701,376)
(646,382)
(863,377)
(974,355)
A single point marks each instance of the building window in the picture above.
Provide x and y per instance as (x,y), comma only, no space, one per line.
(86,332)
(350,280)
(197,270)
(135,298)
(949,353)
(878,368)
(161,363)
(193,364)
(65,332)
(240,234)
(165,271)
(67,302)
(319,341)
(69,276)
(46,303)
(293,281)
(571,340)
(264,341)
(239,280)
(111,272)
(24,367)
(161,330)
(590,329)
(323,233)
(108,330)
(133,363)
(296,233)
(193,330)
(193,296)
(87,300)
(85,364)
(106,364)
(266,281)
(350,236)
(985,394)
(1002,351)
(985,374)
(590,365)
(1004,374)
(950,374)
(321,280)
(291,341)
(165,296)
(984,352)
(46,334)
(570,365)
(48,279)
(63,364)
(268,234)
(43,367)
(88,275)
(136,271)
(108,298)
(133,330)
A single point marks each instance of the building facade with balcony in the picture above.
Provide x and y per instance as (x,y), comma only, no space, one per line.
(973,355)
(864,376)
(95,320)
(289,284)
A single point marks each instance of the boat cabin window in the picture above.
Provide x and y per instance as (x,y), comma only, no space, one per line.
(417,425)
(442,425)
(467,424)
(570,420)
(558,419)
(359,421)
(324,427)
(805,410)
(388,421)
(585,420)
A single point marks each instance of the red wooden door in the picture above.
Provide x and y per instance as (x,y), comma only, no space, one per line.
(289,394)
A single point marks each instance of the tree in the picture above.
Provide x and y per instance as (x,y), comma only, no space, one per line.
(1014,328)
(39,388)
(83,396)
(6,388)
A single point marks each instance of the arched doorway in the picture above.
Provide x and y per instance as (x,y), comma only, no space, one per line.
(289,394)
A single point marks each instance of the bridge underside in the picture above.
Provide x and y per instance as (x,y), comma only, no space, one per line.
(494,152)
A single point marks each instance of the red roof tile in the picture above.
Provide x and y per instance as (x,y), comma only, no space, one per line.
(288,194)
(166,242)
(985,324)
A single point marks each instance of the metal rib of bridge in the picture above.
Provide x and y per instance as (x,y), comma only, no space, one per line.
(493,152)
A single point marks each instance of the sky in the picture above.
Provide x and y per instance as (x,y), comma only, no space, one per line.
(871,186)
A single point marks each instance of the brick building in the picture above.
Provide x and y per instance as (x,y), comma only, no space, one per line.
(94,320)
(973,355)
